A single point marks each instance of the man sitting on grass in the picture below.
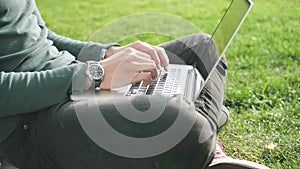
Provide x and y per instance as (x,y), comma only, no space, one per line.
(39,125)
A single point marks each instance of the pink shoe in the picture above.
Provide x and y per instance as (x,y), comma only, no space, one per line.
(221,161)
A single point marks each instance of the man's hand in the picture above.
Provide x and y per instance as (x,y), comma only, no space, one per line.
(158,54)
(125,65)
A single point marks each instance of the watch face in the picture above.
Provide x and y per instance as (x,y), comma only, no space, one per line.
(96,71)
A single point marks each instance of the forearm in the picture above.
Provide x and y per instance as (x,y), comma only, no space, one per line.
(83,51)
(64,43)
(26,92)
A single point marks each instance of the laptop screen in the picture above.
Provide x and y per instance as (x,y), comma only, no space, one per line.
(230,23)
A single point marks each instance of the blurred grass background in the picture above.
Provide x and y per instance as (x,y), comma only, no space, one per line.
(263,84)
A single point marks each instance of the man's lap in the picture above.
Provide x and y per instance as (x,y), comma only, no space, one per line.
(57,138)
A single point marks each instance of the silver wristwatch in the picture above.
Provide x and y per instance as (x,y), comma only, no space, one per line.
(95,72)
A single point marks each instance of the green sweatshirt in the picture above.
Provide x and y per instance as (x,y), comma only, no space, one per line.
(35,69)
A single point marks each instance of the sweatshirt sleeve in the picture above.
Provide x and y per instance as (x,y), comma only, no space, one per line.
(25,92)
(83,51)
(76,47)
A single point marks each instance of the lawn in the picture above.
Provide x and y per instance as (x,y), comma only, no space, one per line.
(263,85)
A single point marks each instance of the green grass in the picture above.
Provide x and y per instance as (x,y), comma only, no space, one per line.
(263,86)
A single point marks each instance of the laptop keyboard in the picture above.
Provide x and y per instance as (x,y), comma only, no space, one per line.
(165,84)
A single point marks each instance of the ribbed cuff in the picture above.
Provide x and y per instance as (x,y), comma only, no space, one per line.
(79,78)
(92,51)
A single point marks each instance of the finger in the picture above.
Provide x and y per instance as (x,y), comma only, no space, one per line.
(129,51)
(145,67)
(136,58)
(153,72)
(149,49)
(143,55)
(139,67)
(143,76)
(164,59)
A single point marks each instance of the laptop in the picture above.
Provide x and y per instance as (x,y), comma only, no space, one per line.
(183,80)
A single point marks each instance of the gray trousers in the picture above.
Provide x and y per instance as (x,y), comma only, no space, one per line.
(182,137)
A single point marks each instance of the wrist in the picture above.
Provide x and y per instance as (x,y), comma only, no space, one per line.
(102,85)
(110,50)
